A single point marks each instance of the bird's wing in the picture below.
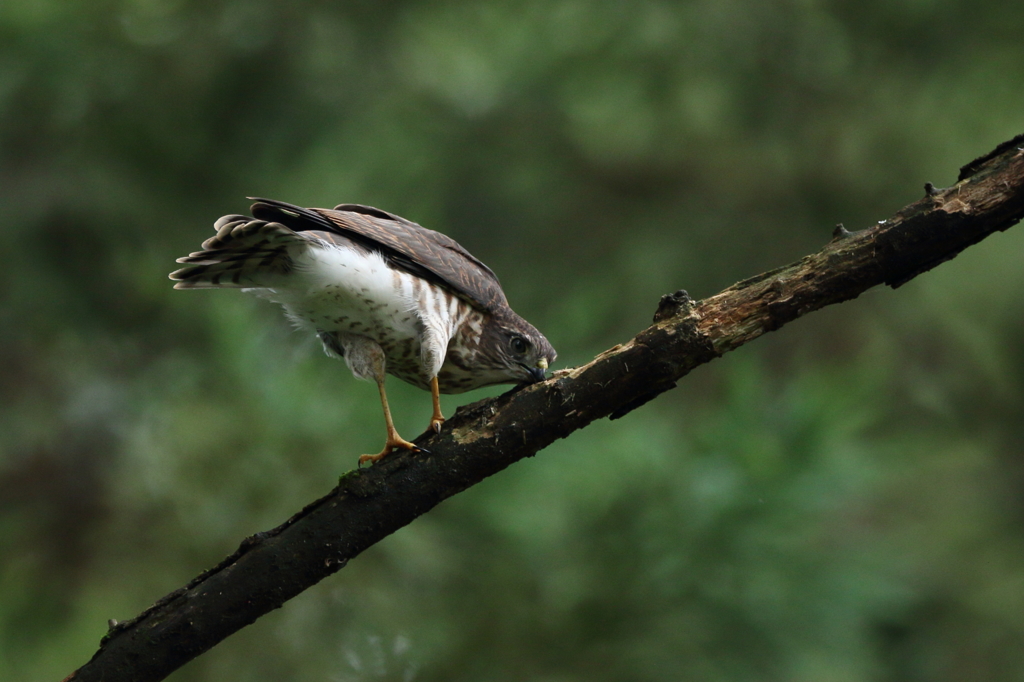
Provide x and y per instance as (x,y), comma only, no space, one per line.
(244,253)
(404,245)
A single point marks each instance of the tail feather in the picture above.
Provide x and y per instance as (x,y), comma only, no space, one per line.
(244,253)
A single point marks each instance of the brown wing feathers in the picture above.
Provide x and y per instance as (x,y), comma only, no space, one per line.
(406,245)
(250,252)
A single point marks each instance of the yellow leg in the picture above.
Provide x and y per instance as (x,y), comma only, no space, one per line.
(393,440)
(438,418)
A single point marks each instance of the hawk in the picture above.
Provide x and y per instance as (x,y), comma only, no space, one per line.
(387,295)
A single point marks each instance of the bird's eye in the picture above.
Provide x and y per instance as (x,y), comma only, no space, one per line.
(518,345)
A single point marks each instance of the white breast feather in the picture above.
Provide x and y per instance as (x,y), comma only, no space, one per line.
(362,274)
(330,281)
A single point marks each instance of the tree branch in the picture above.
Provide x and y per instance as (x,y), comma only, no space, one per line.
(485,437)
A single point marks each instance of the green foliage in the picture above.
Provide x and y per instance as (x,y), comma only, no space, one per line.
(839,501)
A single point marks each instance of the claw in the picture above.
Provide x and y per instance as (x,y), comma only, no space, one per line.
(394,441)
(398,443)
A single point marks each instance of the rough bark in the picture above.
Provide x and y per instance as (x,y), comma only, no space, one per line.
(483,438)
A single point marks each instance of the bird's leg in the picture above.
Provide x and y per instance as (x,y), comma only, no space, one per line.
(438,419)
(393,440)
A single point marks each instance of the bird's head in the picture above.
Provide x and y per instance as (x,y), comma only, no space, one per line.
(523,351)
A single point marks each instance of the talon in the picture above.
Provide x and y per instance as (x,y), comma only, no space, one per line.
(397,443)
(436,424)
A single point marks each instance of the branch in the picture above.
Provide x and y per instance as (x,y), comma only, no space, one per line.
(483,438)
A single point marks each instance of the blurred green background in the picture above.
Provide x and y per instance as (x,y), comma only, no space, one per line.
(840,501)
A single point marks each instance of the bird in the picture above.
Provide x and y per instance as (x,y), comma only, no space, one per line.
(384,293)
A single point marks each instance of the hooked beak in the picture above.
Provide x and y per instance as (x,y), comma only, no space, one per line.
(538,373)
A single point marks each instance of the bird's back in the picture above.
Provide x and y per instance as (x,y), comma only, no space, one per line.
(406,246)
